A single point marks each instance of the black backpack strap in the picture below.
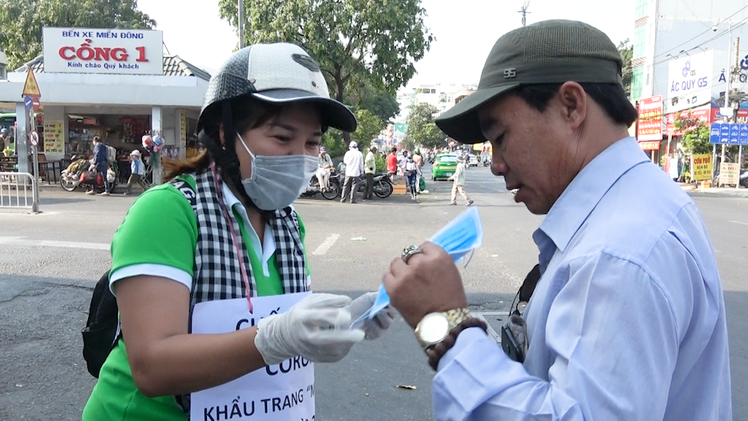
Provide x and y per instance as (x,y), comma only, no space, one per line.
(187,190)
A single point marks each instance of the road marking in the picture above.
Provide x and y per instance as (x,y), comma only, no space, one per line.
(739,222)
(20,241)
(325,246)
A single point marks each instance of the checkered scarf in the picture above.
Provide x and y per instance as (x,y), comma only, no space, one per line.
(217,273)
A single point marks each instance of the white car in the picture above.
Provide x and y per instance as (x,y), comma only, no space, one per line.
(473,162)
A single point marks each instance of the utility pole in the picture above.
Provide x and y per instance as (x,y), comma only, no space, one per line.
(524,11)
(241,24)
(727,96)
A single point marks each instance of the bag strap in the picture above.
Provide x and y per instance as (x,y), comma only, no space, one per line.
(527,288)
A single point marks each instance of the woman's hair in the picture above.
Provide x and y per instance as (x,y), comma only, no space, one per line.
(247,113)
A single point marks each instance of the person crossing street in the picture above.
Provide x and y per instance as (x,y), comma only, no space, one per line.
(459,182)
(370,167)
(137,172)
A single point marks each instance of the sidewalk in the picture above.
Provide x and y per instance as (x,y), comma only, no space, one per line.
(724,191)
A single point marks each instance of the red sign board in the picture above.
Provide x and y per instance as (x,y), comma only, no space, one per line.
(650,119)
(699,114)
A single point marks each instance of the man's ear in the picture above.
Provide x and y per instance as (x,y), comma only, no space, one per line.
(574,101)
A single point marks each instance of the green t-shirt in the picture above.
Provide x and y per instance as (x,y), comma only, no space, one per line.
(160,228)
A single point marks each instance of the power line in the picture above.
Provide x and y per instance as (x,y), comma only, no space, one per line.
(686,42)
(735,26)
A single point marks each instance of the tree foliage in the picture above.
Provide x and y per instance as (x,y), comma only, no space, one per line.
(627,53)
(369,126)
(377,41)
(21,21)
(695,134)
(421,127)
(382,104)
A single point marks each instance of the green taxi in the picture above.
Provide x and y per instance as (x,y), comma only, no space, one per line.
(444,166)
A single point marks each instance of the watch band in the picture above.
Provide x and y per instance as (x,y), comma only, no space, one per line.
(436,352)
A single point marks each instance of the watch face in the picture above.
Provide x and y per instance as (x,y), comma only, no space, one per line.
(433,328)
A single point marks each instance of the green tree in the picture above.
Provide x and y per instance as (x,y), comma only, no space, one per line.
(421,127)
(353,40)
(383,104)
(369,126)
(695,134)
(21,21)
(627,53)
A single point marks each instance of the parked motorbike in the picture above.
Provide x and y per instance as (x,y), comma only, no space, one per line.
(744,178)
(81,172)
(331,193)
(382,188)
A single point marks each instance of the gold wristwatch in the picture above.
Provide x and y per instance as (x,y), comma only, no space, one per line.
(434,327)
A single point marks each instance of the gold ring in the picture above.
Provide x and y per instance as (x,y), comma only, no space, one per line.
(409,251)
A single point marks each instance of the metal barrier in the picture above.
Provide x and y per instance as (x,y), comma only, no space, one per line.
(17,191)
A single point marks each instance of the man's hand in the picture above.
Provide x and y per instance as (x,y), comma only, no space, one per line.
(428,283)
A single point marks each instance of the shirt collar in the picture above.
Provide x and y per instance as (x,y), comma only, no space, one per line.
(587,189)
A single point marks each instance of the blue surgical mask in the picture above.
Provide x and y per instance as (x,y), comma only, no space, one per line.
(458,238)
(461,236)
(277,181)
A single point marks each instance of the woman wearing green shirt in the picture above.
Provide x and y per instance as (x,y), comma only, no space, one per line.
(209,269)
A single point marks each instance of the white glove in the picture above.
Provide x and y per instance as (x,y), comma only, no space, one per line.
(375,327)
(308,329)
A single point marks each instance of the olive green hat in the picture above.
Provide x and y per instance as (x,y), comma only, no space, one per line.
(552,51)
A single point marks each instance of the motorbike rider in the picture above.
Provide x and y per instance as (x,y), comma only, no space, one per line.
(325,167)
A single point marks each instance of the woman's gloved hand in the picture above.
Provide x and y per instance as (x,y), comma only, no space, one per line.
(308,329)
(375,327)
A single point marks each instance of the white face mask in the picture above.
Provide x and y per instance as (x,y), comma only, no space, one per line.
(277,181)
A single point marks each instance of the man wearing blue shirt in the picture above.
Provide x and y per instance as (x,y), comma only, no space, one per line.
(627,321)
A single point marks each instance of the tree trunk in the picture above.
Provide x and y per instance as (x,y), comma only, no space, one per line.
(339,97)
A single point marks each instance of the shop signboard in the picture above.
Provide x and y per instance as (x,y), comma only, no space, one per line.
(728,173)
(702,167)
(728,134)
(650,146)
(53,137)
(650,119)
(107,51)
(696,115)
(690,81)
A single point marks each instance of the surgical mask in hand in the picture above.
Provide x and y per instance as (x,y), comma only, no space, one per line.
(277,181)
(459,238)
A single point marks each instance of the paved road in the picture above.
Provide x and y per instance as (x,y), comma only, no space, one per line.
(49,263)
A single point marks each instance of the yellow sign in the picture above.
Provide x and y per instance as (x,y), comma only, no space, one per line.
(54,138)
(702,167)
(182,127)
(728,173)
(31,88)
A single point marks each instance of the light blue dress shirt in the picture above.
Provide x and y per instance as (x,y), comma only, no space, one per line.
(627,321)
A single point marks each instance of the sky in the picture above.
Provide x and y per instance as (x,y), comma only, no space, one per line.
(465,30)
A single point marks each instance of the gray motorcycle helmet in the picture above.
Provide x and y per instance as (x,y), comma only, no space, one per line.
(276,73)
